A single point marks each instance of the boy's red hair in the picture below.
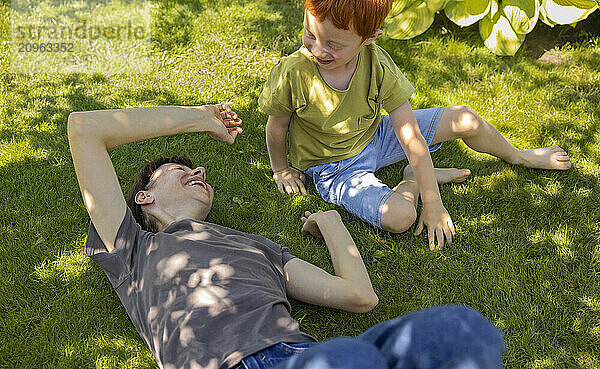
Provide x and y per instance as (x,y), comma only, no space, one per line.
(365,16)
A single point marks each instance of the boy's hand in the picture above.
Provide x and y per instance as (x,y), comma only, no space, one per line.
(439,225)
(310,220)
(289,180)
(227,123)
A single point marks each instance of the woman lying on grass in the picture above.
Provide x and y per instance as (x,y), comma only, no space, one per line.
(202,295)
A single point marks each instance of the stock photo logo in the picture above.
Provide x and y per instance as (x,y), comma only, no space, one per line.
(81,37)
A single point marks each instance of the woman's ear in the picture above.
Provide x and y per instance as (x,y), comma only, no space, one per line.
(144,198)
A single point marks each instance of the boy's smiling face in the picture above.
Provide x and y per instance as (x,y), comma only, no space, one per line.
(333,47)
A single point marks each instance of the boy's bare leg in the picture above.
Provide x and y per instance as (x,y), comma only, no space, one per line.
(399,211)
(462,122)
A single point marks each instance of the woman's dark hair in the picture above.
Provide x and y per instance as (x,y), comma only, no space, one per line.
(143,183)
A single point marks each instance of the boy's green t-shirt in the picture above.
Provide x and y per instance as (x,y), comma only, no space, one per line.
(328,125)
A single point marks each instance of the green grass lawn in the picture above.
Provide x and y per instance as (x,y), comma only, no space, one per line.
(527,254)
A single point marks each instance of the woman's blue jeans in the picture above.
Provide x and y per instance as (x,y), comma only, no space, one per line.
(441,337)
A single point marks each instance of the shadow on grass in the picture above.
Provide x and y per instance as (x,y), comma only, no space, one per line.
(549,246)
(53,302)
(565,108)
(172,23)
(282,30)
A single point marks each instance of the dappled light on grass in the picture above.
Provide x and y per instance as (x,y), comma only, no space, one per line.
(499,323)
(14,151)
(97,37)
(299,201)
(558,241)
(259,165)
(541,364)
(595,332)
(67,267)
(587,360)
(503,178)
(592,303)
(483,220)
(564,244)
(110,351)
(596,255)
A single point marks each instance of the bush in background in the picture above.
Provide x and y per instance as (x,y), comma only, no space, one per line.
(503,24)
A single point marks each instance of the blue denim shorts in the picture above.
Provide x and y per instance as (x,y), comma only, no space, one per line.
(351,183)
(273,355)
(438,337)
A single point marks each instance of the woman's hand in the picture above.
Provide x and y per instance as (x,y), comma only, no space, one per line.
(227,123)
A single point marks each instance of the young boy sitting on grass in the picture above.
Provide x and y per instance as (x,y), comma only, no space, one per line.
(329,94)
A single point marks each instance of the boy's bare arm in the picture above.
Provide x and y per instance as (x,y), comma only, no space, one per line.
(93,133)
(433,214)
(350,288)
(288,180)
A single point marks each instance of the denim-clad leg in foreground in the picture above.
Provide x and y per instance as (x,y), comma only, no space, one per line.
(441,337)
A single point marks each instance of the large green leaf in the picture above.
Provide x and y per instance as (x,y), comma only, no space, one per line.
(497,33)
(466,12)
(410,22)
(436,5)
(544,16)
(567,11)
(399,5)
(583,4)
(522,14)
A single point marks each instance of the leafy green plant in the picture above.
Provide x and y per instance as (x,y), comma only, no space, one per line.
(503,24)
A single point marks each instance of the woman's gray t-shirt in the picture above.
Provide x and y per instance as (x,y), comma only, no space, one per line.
(199,294)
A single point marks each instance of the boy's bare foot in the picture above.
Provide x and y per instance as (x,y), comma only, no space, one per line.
(545,158)
(442,175)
